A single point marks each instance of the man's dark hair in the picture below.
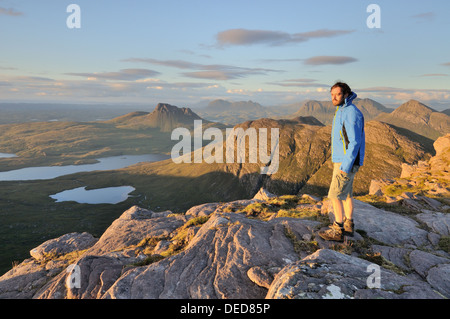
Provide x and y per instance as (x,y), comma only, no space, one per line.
(344,87)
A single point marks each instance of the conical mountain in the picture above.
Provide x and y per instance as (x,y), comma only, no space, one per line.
(166,117)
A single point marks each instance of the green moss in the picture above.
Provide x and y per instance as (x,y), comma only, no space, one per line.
(299,213)
(259,210)
(284,202)
(196,221)
(444,243)
(395,190)
(301,245)
(149,260)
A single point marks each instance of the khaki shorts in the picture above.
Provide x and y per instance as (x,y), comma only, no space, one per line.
(341,185)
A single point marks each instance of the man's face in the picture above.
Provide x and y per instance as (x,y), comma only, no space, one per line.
(337,97)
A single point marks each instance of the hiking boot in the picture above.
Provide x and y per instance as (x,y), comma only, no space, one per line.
(349,227)
(334,232)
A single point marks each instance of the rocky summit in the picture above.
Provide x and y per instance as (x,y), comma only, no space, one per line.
(263,247)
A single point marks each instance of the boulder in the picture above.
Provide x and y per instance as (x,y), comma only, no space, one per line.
(442,144)
(22,281)
(263,194)
(388,227)
(62,245)
(438,222)
(219,261)
(328,274)
(377,186)
(96,275)
(134,225)
(260,276)
(219,251)
(407,170)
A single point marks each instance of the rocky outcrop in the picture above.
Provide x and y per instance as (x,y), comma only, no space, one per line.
(422,186)
(265,247)
(328,274)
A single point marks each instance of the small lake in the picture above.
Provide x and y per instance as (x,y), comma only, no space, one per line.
(110,195)
(50,172)
(7,155)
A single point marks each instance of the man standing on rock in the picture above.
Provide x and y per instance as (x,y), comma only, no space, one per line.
(347,149)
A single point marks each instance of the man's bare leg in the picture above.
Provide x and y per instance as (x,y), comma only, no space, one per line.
(338,210)
(348,208)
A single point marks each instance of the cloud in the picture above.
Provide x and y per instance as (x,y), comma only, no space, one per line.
(424,17)
(300,83)
(323,60)
(225,74)
(219,72)
(272,38)
(324,33)
(446,64)
(180,64)
(10,12)
(31,79)
(122,75)
(5,83)
(280,60)
(79,89)
(7,68)
(248,37)
(212,75)
(401,94)
(434,74)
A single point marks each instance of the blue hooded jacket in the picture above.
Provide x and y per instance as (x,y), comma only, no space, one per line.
(348,140)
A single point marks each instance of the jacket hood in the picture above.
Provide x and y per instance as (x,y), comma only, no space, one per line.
(350,99)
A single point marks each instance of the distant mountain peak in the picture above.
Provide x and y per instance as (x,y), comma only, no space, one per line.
(165,116)
(415,107)
(168,108)
(164,107)
(419,118)
(223,105)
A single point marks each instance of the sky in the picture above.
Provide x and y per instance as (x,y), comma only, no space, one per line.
(188,52)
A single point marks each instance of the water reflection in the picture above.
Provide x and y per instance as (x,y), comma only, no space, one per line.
(7,155)
(110,195)
(50,172)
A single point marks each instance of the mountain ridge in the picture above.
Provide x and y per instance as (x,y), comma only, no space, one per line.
(304,161)
(324,110)
(419,118)
(264,247)
(305,166)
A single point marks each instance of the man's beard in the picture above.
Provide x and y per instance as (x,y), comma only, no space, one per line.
(336,103)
